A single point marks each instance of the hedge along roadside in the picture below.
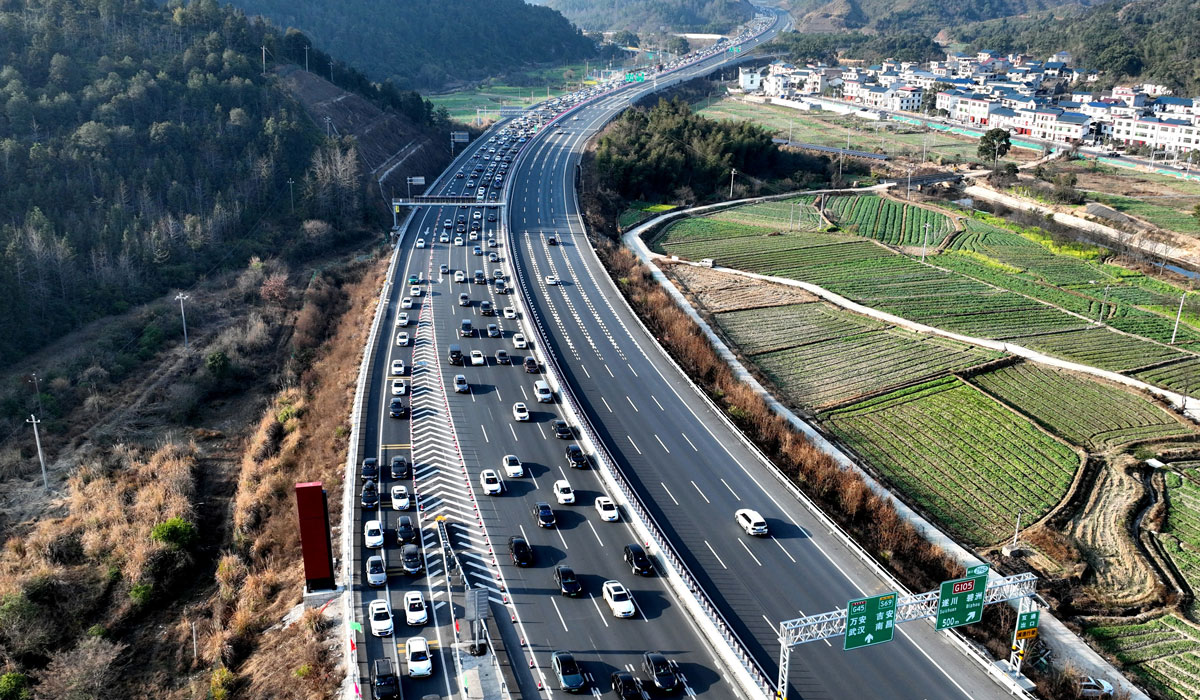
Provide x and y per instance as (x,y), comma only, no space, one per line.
(1053,631)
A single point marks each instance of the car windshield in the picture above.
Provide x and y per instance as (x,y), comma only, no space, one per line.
(620,595)
(567,576)
(381,614)
(419,655)
(569,667)
(376,567)
(415,606)
(373,532)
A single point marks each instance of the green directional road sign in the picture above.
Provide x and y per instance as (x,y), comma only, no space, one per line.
(1027,625)
(961,600)
(870,621)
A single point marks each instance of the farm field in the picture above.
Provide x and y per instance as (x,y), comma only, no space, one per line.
(720,291)
(886,220)
(1180,537)
(838,369)
(959,454)
(794,214)
(829,129)
(461,104)
(1082,411)
(1102,348)
(1181,375)
(757,331)
(1165,651)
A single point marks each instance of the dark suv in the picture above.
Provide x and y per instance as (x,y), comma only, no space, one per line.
(370,469)
(397,409)
(568,583)
(576,458)
(659,670)
(410,559)
(400,468)
(384,683)
(543,514)
(520,551)
(370,495)
(637,560)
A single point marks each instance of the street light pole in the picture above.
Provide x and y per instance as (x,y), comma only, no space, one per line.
(1178,315)
(306,48)
(1100,316)
(37,392)
(292,194)
(925,243)
(41,457)
(733,172)
(181,297)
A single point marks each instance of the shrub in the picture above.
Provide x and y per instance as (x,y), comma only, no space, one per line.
(140,593)
(86,672)
(175,533)
(14,686)
(303,671)
(217,364)
(220,682)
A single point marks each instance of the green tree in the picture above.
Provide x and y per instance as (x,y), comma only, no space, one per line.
(625,38)
(14,686)
(678,45)
(217,363)
(993,145)
(175,533)
(929,98)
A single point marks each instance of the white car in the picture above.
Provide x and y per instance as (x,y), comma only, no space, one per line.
(400,500)
(398,367)
(551,280)
(477,358)
(750,521)
(402,319)
(512,466)
(520,413)
(402,339)
(474,235)
(414,291)
(460,276)
(406,303)
(399,388)
(416,653)
(380,614)
(510,312)
(420,242)
(620,602)
(477,215)
(376,571)
(607,509)
(414,608)
(563,492)
(490,482)
(373,534)
(444,238)
(519,341)
(459,241)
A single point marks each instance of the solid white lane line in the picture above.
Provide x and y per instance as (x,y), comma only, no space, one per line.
(635,408)
(756,561)
(660,442)
(789,556)
(685,437)
(731,489)
(656,403)
(631,442)
(714,553)
(701,493)
(668,492)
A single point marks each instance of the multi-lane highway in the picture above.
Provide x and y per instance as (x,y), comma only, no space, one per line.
(687,464)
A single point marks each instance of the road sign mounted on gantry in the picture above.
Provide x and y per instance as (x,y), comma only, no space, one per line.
(459,137)
(960,601)
(870,621)
(1027,625)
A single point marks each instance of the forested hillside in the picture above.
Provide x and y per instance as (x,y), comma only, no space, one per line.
(655,15)
(428,43)
(920,16)
(902,46)
(1149,40)
(141,148)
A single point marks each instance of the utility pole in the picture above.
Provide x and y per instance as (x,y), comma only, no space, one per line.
(41,457)
(908,191)
(1178,315)
(926,242)
(292,194)
(925,146)
(328,121)
(306,48)
(264,58)
(791,125)
(181,297)
(331,70)
(734,172)
(1100,316)
(37,392)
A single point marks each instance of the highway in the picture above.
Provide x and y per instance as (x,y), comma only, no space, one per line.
(688,466)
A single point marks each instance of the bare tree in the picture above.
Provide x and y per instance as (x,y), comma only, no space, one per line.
(86,672)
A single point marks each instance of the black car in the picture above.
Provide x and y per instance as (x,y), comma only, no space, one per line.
(405,532)
(401,469)
(410,558)
(566,669)
(625,686)
(562,431)
(543,514)
(384,683)
(576,458)
(485,308)
(370,469)
(397,409)
(531,364)
(502,357)
(661,671)
(568,584)
(520,551)
(637,560)
(370,495)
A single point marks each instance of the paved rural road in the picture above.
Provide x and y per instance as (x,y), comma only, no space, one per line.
(687,465)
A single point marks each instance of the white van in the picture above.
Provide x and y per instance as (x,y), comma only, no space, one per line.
(543,392)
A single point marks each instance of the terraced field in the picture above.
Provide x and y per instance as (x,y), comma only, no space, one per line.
(839,369)
(1102,348)
(1180,537)
(960,455)
(757,331)
(1085,412)
(1182,375)
(1164,651)
(794,214)
(886,220)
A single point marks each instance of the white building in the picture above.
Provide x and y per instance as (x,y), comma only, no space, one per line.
(1170,135)
(749,79)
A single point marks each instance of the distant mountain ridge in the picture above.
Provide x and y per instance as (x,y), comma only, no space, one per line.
(1154,41)
(427,43)
(912,16)
(642,16)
